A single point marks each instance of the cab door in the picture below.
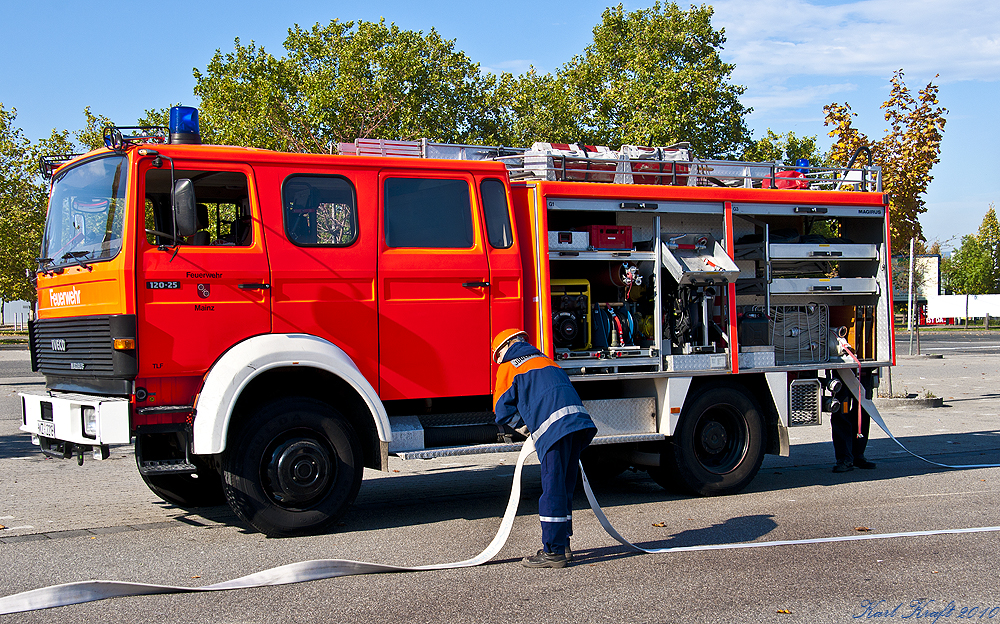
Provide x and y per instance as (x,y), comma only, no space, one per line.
(212,290)
(506,299)
(433,287)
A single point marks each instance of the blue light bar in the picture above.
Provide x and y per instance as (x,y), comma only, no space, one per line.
(184,125)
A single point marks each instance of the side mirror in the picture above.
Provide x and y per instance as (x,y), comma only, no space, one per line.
(185,212)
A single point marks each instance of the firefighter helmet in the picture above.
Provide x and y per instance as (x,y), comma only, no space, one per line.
(504,338)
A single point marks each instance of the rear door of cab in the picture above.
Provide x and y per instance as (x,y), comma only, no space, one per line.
(433,286)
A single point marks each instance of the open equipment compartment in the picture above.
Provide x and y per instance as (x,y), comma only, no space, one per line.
(605,292)
(816,274)
(659,304)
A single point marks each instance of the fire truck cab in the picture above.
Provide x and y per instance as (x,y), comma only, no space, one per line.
(263,325)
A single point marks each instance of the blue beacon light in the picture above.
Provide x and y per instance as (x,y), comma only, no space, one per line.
(184,125)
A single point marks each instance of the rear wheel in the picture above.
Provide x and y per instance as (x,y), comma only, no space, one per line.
(294,467)
(601,464)
(718,446)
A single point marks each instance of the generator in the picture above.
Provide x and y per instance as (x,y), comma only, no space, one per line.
(571,313)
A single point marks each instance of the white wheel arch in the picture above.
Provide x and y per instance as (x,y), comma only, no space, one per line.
(241,364)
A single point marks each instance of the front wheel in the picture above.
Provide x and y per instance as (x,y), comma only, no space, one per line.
(294,467)
(718,446)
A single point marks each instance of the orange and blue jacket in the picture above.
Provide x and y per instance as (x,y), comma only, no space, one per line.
(532,390)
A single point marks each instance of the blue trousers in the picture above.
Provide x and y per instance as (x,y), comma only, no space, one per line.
(560,467)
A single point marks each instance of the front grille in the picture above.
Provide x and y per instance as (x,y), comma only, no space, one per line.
(83,347)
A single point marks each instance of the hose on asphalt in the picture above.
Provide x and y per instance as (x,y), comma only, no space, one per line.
(89,591)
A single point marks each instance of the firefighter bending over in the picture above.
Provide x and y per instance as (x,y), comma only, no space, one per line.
(533,391)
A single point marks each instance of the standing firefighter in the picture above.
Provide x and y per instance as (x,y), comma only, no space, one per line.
(533,391)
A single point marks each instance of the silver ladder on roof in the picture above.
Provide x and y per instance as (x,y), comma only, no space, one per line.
(703,172)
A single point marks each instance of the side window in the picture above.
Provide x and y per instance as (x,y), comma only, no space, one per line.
(498,229)
(432,213)
(223,207)
(319,210)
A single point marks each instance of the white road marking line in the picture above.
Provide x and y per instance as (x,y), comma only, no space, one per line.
(948,494)
(936,348)
(825,540)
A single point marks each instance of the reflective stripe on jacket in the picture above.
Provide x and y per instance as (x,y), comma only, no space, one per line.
(532,390)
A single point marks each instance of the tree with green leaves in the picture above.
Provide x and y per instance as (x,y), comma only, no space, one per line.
(906,154)
(989,238)
(967,272)
(339,82)
(654,77)
(786,148)
(22,210)
(24,196)
(651,77)
(974,268)
(520,110)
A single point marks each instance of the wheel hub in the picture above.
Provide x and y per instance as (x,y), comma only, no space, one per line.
(713,437)
(299,470)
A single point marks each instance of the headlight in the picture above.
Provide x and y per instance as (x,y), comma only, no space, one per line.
(89,415)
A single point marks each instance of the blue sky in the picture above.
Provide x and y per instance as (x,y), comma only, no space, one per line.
(121,58)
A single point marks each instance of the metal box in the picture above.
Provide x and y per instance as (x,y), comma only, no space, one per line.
(569,241)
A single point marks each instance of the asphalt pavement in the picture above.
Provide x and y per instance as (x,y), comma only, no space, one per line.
(825,547)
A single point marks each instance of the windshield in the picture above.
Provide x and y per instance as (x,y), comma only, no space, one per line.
(86,213)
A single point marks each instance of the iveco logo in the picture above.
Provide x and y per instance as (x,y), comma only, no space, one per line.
(76,365)
(58,344)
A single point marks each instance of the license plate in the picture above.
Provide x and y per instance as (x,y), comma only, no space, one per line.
(46,429)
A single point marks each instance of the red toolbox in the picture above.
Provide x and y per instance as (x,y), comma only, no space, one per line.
(610,237)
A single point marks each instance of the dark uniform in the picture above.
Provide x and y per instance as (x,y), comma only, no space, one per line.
(532,390)
(847,446)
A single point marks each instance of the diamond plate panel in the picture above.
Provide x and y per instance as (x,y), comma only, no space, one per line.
(641,224)
(623,416)
(696,362)
(757,359)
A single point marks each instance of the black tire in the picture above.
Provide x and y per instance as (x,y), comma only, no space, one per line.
(201,489)
(718,446)
(665,475)
(293,468)
(601,465)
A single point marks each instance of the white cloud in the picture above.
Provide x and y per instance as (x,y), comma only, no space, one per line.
(774,97)
(784,38)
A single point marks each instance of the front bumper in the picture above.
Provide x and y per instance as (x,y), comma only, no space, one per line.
(60,417)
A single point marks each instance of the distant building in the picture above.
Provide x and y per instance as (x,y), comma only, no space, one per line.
(926,277)
(15,311)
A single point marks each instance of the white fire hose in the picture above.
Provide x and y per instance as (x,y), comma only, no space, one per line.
(89,591)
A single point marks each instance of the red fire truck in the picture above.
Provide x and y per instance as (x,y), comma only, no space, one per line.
(262,326)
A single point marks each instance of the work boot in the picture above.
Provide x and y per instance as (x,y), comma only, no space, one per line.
(569,553)
(864,464)
(843,466)
(543,559)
